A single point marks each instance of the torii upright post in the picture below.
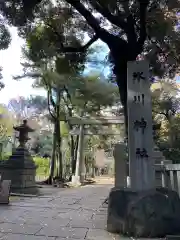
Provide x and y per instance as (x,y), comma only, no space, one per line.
(140,138)
(80,161)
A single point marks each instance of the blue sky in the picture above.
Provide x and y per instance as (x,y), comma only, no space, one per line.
(178,79)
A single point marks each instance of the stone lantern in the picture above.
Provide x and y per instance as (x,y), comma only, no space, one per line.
(23,130)
(20,167)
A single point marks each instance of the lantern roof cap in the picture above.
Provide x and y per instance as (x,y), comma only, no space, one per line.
(24,126)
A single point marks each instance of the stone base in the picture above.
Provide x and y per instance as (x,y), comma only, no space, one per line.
(128,182)
(76,180)
(5,191)
(21,170)
(148,214)
(28,190)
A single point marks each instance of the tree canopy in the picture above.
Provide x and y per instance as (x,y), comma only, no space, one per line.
(165,99)
(5,37)
(138,29)
(165,106)
(131,29)
(6,123)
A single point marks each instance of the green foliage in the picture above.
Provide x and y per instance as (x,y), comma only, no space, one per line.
(92,94)
(165,110)
(64,129)
(143,29)
(165,99)
(42,166)
(54,36)
(161,48)
(6,123)
(41,143)
(5,37)
(169,153)
(6,156)
(41,163)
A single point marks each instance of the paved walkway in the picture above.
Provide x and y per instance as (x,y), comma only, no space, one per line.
(70,213)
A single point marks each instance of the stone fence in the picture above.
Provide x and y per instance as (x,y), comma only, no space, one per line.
(168,175)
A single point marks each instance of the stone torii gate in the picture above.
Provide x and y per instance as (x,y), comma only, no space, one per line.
(113,120)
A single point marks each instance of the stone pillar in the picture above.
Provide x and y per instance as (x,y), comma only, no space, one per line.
(158,156)
(159,167)
(120,165)
(140,137)
(77,178)
(172,180)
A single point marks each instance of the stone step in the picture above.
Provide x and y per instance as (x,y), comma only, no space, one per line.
(173,237)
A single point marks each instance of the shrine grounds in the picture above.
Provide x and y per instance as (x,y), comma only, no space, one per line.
(77,213)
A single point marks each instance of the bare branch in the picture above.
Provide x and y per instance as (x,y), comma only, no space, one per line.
(73,49)
(103,10)
(49,92)
(127,27)
(82,48)
(161,113)
(52,101)
(91,20)
(68,94)
(26,75)
(49,100)
(131,33)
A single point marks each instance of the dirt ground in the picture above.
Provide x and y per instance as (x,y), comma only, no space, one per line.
(104,180)
(45,190)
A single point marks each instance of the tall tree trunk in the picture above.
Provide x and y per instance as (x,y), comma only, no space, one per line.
(53,158)
(73,159)
(120,70)
(59,139)
(75,152)
(122,85)
(60,170)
